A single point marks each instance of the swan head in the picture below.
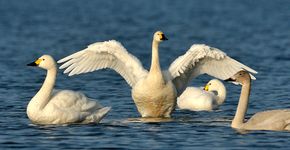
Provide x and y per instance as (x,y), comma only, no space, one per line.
(159,36)
(214,85)
(45,62)
(242,77)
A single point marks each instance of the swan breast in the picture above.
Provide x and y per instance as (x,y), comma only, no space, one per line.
(154,99)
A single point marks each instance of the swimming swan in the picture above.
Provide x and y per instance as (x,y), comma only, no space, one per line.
(155,91)
(50,106)
(265,120)
(207,99)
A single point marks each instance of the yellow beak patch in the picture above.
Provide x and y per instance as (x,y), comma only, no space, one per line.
(206,87)
(38,61)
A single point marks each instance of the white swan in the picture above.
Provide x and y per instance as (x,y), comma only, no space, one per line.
(155,91)
(50,106)
(207,99)
(265,120)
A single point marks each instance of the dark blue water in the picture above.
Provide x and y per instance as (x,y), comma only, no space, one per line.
(253,32)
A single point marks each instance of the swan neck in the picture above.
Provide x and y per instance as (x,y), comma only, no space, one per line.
(238,120)
(155,66)
(221,94)
(41,99)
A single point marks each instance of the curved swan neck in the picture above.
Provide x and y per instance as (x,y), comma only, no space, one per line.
(238,120)
(155,66)
(42,97)
(221,94)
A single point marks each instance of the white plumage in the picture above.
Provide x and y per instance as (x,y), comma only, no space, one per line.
(108,54)
(203,99)
(51,106)
(155,91)
(202,59)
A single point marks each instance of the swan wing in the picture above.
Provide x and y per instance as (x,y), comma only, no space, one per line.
(203,59)
(72,106)
(74,101)
(109,54)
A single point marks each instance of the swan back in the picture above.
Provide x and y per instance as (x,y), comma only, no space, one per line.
(196,99)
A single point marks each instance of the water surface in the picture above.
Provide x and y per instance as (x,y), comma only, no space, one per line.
(255,33)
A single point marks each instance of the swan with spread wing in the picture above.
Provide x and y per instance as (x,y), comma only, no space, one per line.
(155,91)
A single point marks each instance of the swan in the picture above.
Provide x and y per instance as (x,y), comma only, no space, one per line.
(266,120)
(155,91)
(51,106)
(207,99)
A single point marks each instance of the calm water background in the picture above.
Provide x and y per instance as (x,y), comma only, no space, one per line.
(253,32)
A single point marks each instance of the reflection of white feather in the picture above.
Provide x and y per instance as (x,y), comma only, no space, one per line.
(155,91)
(50,106)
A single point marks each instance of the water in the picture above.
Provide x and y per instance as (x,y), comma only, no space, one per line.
(255,33)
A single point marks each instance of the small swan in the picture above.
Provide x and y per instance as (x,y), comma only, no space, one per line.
(207,99)
(51,106)
(155,91)
(266,120)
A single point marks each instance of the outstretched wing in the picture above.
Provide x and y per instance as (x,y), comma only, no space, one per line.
(108,54)
(202,59)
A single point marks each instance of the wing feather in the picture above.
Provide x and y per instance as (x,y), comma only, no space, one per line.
(100,55)
(202,59)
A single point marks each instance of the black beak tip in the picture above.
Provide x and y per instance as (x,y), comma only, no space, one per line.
(163,37)
(32,64)
(229,80)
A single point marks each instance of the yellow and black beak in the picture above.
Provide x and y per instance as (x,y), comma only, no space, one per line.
(163,38)
(206,87)
(35,63)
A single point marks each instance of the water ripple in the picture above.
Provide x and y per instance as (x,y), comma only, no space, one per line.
(254,32)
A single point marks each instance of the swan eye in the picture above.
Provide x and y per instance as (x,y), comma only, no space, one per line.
(43,59)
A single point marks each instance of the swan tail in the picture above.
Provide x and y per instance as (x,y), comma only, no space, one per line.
(287,126)
(99,114)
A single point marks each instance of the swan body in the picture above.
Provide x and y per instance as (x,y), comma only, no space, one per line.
(51,106)
(266,120)
(207,99)
(155,91)
(154,98)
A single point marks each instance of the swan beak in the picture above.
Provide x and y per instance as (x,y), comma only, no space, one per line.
(206,87)
(233,80)
(35,63)
(230,80)
(163,38)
